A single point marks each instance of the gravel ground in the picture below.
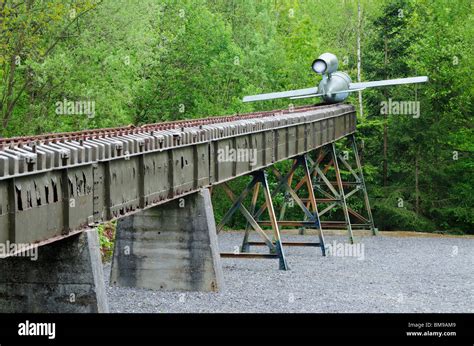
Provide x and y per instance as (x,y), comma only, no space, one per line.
(393,275)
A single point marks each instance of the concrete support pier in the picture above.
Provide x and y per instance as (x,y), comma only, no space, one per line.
(66,276)
(169,247)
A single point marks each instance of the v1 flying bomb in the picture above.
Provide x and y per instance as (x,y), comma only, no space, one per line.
(335,85)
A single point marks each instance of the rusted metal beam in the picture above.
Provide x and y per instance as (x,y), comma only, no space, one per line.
(249,255)
(246,214)
(285,185)
(245,247)
(275,228)
(274,245)
(289,223)
(287,243)
(370,219)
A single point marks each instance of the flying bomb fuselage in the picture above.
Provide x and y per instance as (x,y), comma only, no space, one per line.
(331,85)
(333,82)
(335,85)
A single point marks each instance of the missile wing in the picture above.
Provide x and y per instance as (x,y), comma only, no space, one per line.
(333,92)
(410,80)
(335,85)
(279,95)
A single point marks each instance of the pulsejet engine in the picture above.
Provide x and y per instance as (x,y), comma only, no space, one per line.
(335,85)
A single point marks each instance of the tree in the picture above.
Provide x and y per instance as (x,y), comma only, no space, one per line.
(30,30)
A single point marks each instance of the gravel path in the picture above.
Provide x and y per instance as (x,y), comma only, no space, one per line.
(393,275)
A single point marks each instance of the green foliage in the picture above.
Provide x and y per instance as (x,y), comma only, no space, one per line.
(424,38)
(30,33)
(106,240)
(153,60)
(391,218)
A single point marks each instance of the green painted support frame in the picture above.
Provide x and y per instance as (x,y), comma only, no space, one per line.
(315,177)
(275,245)
(284,185)
(334,194)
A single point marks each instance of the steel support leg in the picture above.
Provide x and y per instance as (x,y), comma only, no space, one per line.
(341,193)
(245,243)
(285,203)
(312,201)
(274,245)
(362,184)
(275,228)
(312,217)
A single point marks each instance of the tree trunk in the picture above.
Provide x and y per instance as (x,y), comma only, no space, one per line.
(417,188)
(359,16)
(385,129)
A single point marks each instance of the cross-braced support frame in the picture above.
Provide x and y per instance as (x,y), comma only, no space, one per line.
(334,195)
(334,192)
(311,216)
(275,244)
(321,176)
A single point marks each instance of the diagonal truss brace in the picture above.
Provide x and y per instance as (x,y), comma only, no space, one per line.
(275,244)
(311,217)
(337,196)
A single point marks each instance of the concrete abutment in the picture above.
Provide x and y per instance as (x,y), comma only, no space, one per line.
(169,247)
(66,277)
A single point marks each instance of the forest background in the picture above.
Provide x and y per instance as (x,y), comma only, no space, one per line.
(155,60)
